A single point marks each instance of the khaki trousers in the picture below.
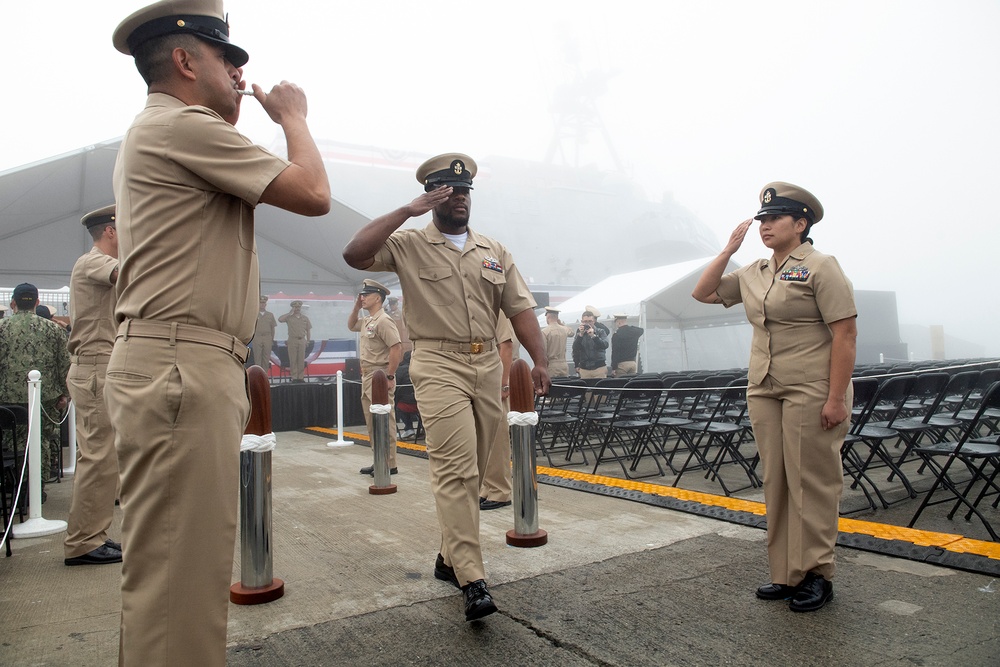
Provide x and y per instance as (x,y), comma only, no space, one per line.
(459,397)
(262,352)
(626,368)
(95,482)
(366,404)
(496,484)
(297,358)
(803,476)
(178,411)
(601,372)
(558,369)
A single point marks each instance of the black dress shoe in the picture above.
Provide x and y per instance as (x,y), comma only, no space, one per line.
(102,555)
(775,592)
(812,594)
(445,572)
(478,601)
(113,544)
(370,470)
(485,504)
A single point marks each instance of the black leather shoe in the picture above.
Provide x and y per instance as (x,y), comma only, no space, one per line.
(112,544)
(485,504)
(812,594)
(445,572)
(370,470)
(478,601)
(775,592)
(102,555)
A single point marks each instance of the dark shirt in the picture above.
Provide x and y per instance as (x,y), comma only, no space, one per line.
(589,352)
(625,344)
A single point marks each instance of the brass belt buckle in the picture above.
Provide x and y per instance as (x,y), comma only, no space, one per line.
(476,348)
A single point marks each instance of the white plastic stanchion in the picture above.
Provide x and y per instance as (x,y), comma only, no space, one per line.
(35,526)
(340,442)
(70,468)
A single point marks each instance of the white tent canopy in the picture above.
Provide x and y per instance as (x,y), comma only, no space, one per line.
(681,333)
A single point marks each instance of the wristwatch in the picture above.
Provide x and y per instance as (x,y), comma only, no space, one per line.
(390,377)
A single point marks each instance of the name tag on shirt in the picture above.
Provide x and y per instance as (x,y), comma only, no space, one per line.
(797,273)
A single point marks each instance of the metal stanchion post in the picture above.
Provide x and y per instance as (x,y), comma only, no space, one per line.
(380,410)
(70,468)
(522,419)
(35,526)
(257,584)
(340,442)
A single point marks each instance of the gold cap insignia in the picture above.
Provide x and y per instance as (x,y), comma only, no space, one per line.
(767,196)
(457,167)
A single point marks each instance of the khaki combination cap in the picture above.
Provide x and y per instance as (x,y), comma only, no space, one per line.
(449,169)
(780,198)
(202,18)
(263,298)
(593,311)
(370,286)
(296,303)
(620,316)
(102,216)
(550,309)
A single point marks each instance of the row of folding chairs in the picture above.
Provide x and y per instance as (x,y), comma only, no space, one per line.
(937,418)
(650,426)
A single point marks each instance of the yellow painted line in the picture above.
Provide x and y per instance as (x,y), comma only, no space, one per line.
(923,538)
(364,436)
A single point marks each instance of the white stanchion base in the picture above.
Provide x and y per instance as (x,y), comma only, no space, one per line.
(69,471)
(38,527)
(339,443)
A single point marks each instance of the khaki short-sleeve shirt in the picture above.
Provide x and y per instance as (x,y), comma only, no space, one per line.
(299,326)
(555,341)
(790,310)
(186,184)
(453,294)
(378,334)
(92,304)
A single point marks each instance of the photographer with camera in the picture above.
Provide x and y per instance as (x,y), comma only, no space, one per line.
(590,345)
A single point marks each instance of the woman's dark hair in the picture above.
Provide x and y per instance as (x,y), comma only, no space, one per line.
(804,236)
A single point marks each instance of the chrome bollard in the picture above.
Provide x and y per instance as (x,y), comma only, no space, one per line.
(522,419)
(257,584)
(380,410)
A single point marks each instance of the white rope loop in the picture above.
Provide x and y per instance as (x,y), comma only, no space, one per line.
(522,418)
(376,409)
(257,443)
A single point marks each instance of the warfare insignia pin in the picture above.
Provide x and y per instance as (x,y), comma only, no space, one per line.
(492,264)
(797,274)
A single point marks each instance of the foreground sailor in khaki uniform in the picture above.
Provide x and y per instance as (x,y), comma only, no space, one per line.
(380,349)
(91,313)
(801,306)
(186,184)
(456,281)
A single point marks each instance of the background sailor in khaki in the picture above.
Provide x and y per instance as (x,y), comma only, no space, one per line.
(263,336)
(186,183)
(555,334)
(456,281)
(495,487)
(92,335)
(299,335)
(380,348)
(801,307)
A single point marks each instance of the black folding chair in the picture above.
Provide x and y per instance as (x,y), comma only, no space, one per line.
(14,454)
(625,435)
(722,428)
(979,454)
(559,414)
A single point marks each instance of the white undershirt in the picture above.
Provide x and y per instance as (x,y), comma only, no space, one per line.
(457,240)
